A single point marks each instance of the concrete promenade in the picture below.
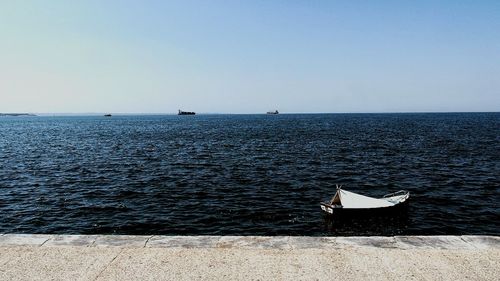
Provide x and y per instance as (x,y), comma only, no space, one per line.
(110,257)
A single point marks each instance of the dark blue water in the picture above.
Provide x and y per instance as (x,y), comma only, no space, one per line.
(247,174)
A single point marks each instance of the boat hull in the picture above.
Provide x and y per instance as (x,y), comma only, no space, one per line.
(330,210)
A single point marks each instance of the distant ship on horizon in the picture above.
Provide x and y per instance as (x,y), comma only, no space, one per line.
(273,112)
(186,112)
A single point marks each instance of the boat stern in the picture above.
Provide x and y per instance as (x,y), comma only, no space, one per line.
(328,208)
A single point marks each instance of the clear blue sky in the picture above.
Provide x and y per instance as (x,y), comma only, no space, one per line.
(249,56)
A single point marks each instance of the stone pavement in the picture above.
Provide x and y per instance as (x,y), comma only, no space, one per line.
(116,257)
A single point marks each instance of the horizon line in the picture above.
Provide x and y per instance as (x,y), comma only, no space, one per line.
(233,113)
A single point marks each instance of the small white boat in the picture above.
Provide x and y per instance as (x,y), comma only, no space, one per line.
(346,200)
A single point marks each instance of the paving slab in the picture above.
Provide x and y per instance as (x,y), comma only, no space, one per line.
(71,240)
(55,263)
(24,239)
(432,242)
(367,241)
(308,242)
(128,241)
(254,242)
(482,242)
(182,241)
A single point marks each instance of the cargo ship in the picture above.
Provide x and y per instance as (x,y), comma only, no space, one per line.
(185,112)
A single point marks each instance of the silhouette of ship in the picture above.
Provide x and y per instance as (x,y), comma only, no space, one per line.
(107,115)
(273,112)
(185,112)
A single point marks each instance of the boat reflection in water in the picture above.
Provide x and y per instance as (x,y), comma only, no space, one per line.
(395,222)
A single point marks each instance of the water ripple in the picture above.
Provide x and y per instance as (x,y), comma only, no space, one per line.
(247,174)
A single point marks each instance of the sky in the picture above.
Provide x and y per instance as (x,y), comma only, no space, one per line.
(249,56)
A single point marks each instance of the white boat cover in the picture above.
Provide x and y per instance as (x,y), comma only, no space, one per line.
(355,201)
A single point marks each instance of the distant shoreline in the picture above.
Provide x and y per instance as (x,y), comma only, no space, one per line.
(17,114)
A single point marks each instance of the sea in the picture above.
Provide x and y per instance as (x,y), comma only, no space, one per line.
(248,174)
